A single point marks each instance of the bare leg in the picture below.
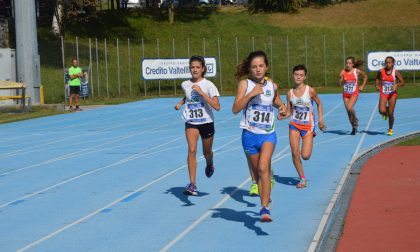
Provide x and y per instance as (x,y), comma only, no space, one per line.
(192,138)
(207,149)
(392,102)
(264,173)
(294,139)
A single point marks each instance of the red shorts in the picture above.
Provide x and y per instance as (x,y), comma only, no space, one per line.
(388,96)
(356,94)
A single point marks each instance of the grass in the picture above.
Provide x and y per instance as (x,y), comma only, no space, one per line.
(197,30)
(410,142)
(14,115)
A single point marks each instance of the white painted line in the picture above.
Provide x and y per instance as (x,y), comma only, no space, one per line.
(316,239)
(31,245)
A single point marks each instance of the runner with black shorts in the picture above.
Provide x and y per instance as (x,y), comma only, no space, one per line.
(201,97)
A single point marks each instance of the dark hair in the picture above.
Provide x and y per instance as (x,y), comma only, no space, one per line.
(390,57)
(300,67)
(356,63)
(73,59)
(243,68)
(201,60)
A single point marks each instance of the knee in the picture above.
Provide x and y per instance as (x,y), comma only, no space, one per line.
(208,154)
(306,156)
(263,168)
(192,151)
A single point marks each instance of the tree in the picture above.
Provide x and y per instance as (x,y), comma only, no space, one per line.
(67,11)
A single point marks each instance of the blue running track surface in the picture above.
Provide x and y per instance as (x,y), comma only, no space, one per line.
(111,179)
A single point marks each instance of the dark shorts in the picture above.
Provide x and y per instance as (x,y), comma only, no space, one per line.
(74,89)
(206,130)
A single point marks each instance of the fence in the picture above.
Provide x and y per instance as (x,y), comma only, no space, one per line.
(115,65)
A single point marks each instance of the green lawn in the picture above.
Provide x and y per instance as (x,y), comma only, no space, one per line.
(196,31)
(411,142)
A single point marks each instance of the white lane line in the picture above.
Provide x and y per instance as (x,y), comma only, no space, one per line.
(130,158)
(58,231)
(207,213)
(66,139)
(86,151)
(328,211)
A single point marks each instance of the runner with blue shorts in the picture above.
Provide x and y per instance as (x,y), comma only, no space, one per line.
(256,97)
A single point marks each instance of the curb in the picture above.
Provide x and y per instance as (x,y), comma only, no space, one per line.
(332,230)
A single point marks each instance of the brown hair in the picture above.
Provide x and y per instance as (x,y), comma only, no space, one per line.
(200,59)
(243,68)
(356,63)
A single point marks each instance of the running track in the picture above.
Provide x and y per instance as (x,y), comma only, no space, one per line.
(111,179)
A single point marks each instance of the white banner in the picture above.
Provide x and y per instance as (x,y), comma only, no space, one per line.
(404,60)
(171,69)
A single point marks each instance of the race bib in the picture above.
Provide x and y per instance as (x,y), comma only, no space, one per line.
(261,116)
(195,112)
(301,115)
(349,87)
(387,87)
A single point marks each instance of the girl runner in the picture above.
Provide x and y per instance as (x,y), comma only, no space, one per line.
(201,95)
(349,76)
(302,122)
(256,97)
(386,83)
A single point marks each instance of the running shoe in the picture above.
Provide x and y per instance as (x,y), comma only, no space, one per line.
(265,215)
(390,132)
(209,170)
(190,189)
(254,189)
(71,108)
(384,117)
(302,183)
(353,132)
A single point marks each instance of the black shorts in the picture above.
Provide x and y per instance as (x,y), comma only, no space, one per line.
(206,130)
(74,89)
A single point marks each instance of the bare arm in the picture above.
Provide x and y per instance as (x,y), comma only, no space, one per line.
(314,96)
(365,78)
(180,103)
(213,102)
(241,98)
(377,80)
(340,79)
(400,79)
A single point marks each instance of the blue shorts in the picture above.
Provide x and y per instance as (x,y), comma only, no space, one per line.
(252,142)
(302,133)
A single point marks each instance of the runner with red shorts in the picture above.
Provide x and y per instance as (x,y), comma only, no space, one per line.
(386,83)
(349,76)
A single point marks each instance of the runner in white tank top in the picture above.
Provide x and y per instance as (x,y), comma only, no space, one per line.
(256,97)
(201,96)
(300,105)
(258,114)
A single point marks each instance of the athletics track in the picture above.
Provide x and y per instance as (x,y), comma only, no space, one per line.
(111,179)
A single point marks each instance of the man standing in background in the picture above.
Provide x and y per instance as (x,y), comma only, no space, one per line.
(75,72)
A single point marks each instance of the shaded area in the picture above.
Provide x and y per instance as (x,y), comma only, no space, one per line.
(286,180)
(238,195)
(178,192)
(373,133)
(338,132)
(240,216)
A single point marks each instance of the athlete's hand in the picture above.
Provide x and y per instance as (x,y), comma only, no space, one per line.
(178,106)
(257,90)
(198,89)
(282,114)
(322,126)
(361,88)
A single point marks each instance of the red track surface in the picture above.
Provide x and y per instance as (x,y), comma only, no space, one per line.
(384,213)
